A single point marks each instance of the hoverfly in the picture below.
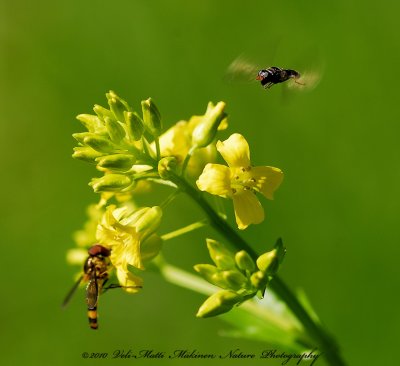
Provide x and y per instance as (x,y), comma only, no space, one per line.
(95,273)
(242,69)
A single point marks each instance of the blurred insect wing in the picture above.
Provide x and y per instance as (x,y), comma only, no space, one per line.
(308,80)
(241,70)
(71,292)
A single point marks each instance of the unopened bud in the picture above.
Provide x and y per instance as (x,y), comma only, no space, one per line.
(102,112)
(99,143)
(235,279)
(244,261)
(268,262)
(117,105)
(110,183)
(219,303)
(207,271)
(119,162)
(259,279)
(134,125)
(115,130)
(91,122)
(151,117)
(206,130)
(86,153)
(221,256)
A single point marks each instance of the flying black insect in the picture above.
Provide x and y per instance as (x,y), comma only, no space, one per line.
(275,75)
(95,273)
(242,70)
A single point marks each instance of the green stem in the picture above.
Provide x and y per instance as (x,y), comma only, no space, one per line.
(323,340)
(184,230)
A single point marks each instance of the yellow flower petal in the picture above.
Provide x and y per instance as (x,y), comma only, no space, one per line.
(235,151)
(268,179)
(248,209)
(215,179)
(128,280)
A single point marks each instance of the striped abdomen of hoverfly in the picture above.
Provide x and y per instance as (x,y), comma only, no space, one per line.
(95,269)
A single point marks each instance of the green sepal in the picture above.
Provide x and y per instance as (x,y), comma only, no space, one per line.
(110,183)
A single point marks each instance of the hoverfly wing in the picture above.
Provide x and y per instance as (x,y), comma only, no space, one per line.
(71,292)
(92,291)
(308,80)
(241,70)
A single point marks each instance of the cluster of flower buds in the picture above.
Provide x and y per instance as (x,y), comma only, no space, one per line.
(238,275)
(116,142)
(124,145)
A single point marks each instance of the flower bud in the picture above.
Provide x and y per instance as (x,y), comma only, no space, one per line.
(117,105)
(110,183)
(151,117)
(134,125)
(115,130)
(244,261)
(118,162)
(99,143)
(166,166)
(235,279)
(86,153)
(206,130)
(102,112)
(91,122)
(268,262)
(219,303)
(207,271)
(259,279)
(221,256)
(80,136)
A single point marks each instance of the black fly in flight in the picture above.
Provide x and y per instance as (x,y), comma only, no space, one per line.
(95,273)
(241,69)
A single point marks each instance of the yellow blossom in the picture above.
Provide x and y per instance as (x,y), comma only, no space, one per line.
(177,141)
(240,181)
(130,234)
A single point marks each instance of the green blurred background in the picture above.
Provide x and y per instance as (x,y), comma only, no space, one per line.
(337,210)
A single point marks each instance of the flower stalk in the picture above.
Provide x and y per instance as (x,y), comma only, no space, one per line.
(319,335)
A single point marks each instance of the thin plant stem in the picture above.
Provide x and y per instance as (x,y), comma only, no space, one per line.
(319,335)
(184,230)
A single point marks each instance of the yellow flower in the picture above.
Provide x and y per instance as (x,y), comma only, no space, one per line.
(240,181)
(130,234)
(177,142)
